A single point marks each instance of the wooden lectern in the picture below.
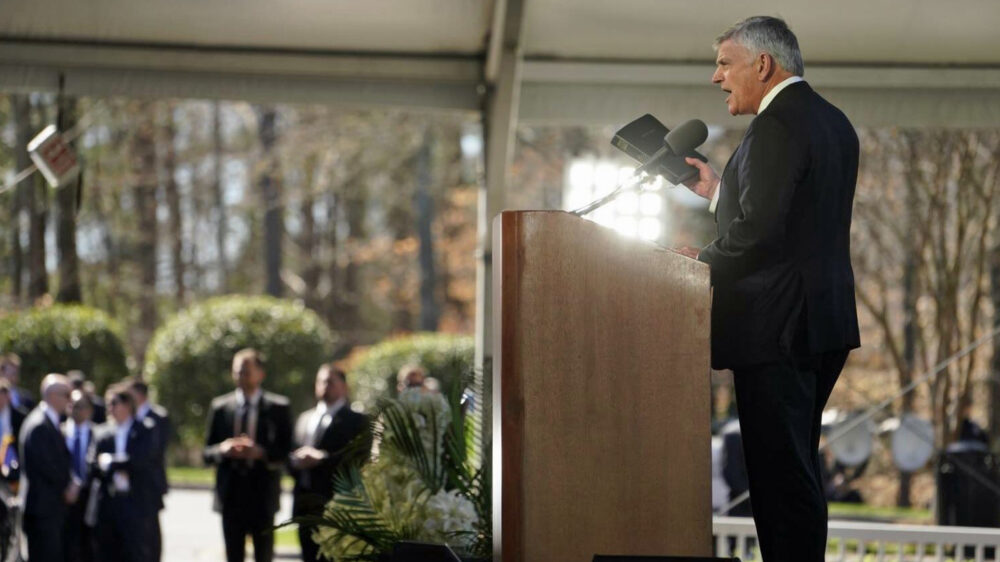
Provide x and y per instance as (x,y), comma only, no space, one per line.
(601,423)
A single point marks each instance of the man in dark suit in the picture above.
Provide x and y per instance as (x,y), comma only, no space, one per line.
(249,438)
(46,486)
(79,432)
(157,418)
(783,310)
(322,435)
(122,459)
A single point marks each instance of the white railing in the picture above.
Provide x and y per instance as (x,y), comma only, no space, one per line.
(852,541)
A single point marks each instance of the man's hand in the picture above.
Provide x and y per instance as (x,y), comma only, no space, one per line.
(707,179)
(237,447)
(71,493)
(307,457)
(688,251)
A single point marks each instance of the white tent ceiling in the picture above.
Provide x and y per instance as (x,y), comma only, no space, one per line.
(918,62)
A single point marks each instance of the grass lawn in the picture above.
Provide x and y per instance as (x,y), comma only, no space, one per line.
(915,516)
(205,477)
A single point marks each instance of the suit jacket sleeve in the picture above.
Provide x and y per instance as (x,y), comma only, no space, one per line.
(768,175)
(44,466)
(215,436)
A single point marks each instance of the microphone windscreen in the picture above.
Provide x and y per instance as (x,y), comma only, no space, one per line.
(687,136)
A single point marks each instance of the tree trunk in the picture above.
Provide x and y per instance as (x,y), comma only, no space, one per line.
(38,205)
(909,358)
(355,207)
(269,189)
(994,379)
(172,195)
(220,199)
(21,109)
(429,310)
(144,189)
(308,238)
(67,204)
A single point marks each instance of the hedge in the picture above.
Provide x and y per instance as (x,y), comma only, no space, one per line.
(446,357)
(59,338)
(189,359)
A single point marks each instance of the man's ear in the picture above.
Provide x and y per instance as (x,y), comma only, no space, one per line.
(764,65)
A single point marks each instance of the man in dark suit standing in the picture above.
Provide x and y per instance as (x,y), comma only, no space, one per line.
(122,460)
(79,432)
(783,310)
(321,436)
(46,485)
(249,438)
(156,417)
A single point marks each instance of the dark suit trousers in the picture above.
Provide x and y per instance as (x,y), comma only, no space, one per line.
(246,513)
(309,503)
(79,538)
(780,405)
(123,530)
(44,533)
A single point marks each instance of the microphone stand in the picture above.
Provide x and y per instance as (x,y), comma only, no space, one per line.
(636,180)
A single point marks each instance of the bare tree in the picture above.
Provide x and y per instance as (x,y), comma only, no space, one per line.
(274,227)
(144,188)
(175,225)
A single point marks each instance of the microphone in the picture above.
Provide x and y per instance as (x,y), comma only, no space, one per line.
(677,144)
(660,151)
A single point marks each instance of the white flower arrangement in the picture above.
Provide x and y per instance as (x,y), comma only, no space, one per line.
(404,495)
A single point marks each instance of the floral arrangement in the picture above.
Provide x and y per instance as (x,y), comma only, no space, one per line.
(421,484)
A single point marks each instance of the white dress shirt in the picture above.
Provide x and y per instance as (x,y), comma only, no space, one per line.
(768,98)
(321,415)
(51,414)
(121,436)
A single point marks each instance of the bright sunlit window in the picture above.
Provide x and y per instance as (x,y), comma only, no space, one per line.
(634,214)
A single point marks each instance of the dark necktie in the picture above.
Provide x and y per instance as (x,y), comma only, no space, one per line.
(78,466)
(244,417)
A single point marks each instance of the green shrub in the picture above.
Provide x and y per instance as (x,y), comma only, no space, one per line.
(189,359)
(58,338)
(446,357)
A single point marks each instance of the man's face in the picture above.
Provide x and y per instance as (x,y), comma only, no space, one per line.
(329,387)
(247,375)
(736,71)
(120,411)
(57,397)
(11,371)
(80,410)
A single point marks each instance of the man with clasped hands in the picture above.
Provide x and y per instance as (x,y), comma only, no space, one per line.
(249,438)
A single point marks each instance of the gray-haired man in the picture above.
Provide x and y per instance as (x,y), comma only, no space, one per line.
(783,310)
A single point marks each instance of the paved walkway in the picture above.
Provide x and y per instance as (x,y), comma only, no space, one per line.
(192,532)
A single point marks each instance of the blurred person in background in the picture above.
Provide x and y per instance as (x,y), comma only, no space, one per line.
(78,381)
(11,420)
(248,440)
(159,421)
(410,376)
(122,459)
(46,487)
(79,434)
(322,436)
(10,369)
